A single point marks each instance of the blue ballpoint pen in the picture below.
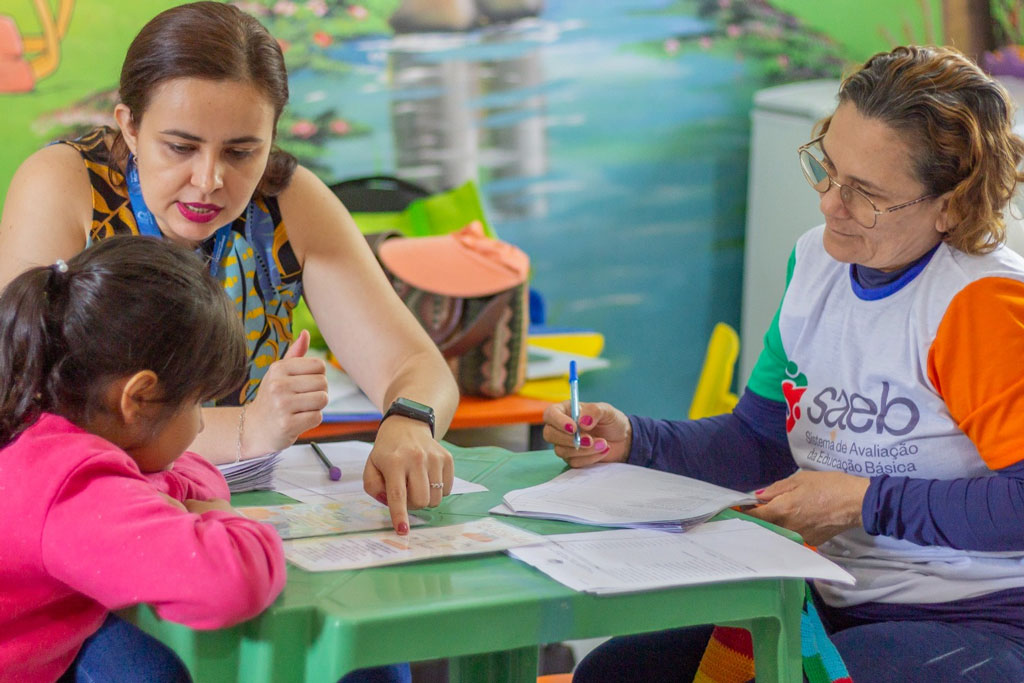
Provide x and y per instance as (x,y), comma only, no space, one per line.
(574,402)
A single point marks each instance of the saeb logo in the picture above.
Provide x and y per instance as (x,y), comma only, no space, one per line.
(793,387)
(858,413)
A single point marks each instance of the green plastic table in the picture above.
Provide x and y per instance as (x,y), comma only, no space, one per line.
(487,613)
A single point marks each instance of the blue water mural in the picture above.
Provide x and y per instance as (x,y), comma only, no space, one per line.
(621,174)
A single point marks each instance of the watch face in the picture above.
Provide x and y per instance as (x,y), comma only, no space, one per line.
(414,405)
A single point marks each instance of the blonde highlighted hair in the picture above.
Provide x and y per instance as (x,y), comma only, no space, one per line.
(958,123)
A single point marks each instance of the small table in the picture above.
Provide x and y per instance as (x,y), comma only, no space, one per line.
(473,411)
(487,613)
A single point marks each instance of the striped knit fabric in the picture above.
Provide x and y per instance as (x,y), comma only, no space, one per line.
(729,657)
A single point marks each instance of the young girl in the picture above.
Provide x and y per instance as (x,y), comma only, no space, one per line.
(105,362)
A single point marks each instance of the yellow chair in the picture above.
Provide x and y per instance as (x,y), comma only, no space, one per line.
(713,395)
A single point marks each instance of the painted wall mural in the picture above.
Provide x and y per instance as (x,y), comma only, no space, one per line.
(25,59)
(609,139)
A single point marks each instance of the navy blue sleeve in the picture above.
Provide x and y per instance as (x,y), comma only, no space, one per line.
(742,450)
(981,513)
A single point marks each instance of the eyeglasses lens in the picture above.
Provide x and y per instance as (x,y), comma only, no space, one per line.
(860,207)
(815,173)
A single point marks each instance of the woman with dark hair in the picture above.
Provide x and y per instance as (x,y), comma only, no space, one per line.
(884,420)
(194,161)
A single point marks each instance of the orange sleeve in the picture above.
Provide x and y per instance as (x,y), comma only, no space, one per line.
(976,363)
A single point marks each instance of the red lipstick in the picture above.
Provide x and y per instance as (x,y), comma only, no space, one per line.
(198,213)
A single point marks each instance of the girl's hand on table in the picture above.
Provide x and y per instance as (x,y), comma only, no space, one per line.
(198,507)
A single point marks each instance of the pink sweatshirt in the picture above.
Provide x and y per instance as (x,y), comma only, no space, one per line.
(83,532)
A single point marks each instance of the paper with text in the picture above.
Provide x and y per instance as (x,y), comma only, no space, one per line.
(630,560)
(617,494)
(358,551)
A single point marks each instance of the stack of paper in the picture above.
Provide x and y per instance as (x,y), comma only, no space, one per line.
(632,560)
(250,475)
(375,549)
(350,512)
(617,494)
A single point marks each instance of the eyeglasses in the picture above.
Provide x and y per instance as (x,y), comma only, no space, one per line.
(860,207)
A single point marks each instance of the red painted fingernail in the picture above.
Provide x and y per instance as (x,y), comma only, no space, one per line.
(569,426)
(758,492)
(383,498)
(606,449)
(585,441)
(586,420)
(403,529)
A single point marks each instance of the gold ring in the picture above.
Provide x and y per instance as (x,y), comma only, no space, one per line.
(436,485)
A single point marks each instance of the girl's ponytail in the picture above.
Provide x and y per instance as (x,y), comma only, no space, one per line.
(30,345)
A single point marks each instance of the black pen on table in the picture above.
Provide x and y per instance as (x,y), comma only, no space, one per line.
(333,473)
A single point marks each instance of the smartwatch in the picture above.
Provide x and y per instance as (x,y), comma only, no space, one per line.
(409,408)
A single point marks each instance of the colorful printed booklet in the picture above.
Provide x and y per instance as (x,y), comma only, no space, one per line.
(357,551)
(347,513)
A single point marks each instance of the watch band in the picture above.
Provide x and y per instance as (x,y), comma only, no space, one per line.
(411,409)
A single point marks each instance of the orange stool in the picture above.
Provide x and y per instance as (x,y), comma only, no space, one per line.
(555,678)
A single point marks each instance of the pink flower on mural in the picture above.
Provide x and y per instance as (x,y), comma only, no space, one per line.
(322,39)
(358,12)
(283,44)
(672,46)
(705,43)
(304,129)
(733,30)
(783,61)
(340,127)
(317,7)
(285,8)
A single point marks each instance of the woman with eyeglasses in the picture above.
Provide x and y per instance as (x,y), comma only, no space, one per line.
(884,420)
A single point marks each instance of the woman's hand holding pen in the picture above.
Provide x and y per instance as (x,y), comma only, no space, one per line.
(407,469)
(290,401)
(605,433)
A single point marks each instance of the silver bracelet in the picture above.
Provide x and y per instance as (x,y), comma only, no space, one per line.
(241,426)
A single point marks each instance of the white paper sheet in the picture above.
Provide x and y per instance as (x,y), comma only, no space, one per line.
(300,475)
(630,560)
(617,494)
(356,551)
(542,362)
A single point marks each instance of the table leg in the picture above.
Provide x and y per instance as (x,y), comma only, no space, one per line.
(536,438)
(509,666)
(777,639)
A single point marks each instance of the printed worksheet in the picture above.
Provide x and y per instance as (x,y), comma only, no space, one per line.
(631,560)
(348,513)
(357,551)
(299,474)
